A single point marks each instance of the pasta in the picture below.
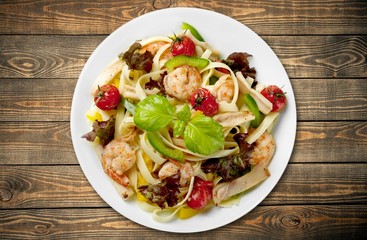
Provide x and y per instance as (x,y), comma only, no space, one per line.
(189,130)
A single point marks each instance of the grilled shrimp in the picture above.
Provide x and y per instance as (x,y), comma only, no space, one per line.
(182,82)
(186,172)
(223,89)
(154,47)
(169,169)
(263,150)
(117,158)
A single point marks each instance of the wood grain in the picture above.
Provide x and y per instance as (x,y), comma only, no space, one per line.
(330,99)
(334,142)
(102,17)
(23,143)
(36,100)
(66,186)
(64,56)
(27,56)
(321,57)
(285,222)
(36,143)
(46,186)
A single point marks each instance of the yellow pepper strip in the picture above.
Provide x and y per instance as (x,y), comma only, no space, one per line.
(92,116)
(187,212)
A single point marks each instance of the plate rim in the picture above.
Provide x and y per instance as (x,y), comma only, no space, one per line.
(167,227)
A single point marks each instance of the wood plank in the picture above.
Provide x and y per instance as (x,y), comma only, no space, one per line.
(66,186)
(321,57)
(50,99)
(26,56)
(280,222)
(36,143)
(64,56)
(46,186)
(333,142)
(330,99)
(101,17)
(49,143)
(36,100)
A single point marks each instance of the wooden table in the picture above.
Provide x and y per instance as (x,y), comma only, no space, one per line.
(45,44)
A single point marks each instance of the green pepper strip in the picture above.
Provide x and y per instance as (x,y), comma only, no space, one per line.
(128,105)
(213,79)
(194,32)
(186,60)
(159,145)
(252,105)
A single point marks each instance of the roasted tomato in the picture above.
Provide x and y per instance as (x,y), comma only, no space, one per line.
(201,194)
(222,70)
(107,97)
(203,100)
(276,96)
(183,45)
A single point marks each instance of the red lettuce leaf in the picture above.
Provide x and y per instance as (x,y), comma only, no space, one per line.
(234,166)
(104,130)
(238,61)
(163,194)
(136,60)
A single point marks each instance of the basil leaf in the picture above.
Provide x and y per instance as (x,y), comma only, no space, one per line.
(204,135)
(184,114)
(153,113)
(178,128)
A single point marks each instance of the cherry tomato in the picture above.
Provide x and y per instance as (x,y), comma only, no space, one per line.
(183,45)
(203,100)
(276,96)
(201,194)
(107,97)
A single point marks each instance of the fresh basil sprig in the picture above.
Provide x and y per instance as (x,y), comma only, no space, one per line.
(202,134)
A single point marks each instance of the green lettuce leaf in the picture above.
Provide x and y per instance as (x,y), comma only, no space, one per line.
(153,113)
(204,135)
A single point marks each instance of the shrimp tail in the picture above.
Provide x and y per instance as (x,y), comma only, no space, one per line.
(120,179)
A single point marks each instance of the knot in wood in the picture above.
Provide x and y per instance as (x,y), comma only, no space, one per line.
(5,194)
(290,221)
(160,4)
(25,64)
(42,229)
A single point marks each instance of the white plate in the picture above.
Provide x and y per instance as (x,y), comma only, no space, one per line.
(225,34)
